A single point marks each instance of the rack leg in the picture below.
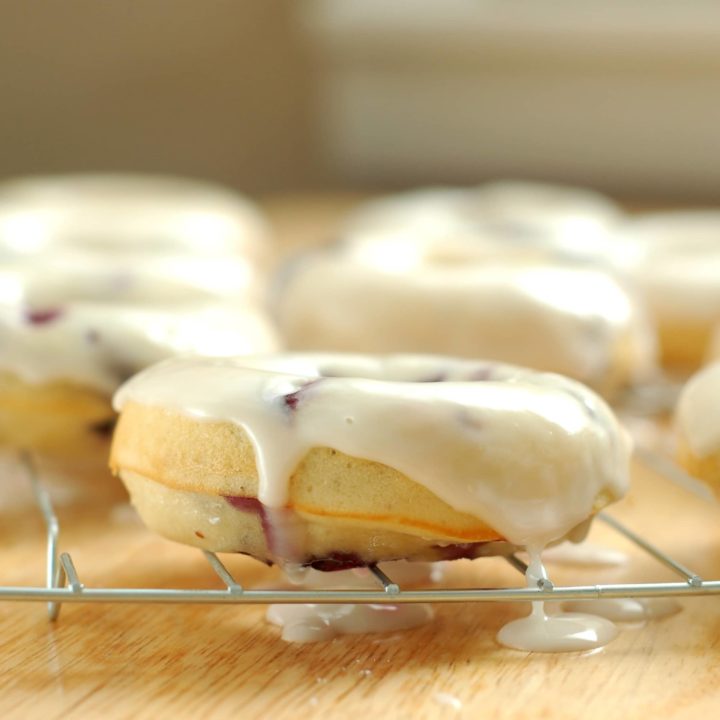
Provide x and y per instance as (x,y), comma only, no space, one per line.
(54,572)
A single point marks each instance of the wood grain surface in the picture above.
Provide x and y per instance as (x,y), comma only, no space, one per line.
(138,661)
(134,661)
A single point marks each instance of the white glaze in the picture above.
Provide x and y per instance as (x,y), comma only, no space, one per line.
(104,275)
(560,632)
(100,345)
(310,623)
(572,220)
(119,212)
(626,610)
(527,453)
(314,623)
(457,295)
(565,632)
(698,412)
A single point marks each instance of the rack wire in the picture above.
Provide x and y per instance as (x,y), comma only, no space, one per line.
(63,584)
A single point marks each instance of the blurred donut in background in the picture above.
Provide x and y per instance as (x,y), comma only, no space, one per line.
(501,276)
(103,275)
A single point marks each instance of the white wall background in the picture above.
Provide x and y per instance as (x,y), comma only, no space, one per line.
(624,96)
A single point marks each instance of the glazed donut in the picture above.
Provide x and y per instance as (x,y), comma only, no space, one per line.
(104,275)
(674,260)
(571,221)
(337,460)
(697,425)
(452,295)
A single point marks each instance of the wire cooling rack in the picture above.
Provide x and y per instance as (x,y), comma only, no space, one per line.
(63,584)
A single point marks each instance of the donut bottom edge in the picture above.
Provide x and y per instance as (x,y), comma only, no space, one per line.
(220,524)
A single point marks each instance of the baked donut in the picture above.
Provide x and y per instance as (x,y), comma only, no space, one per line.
(674,260)
(104,275)
(338,460)
(449,294)
(698,446)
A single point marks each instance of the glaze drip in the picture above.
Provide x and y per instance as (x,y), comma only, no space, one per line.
(562,632)
(315,623)
(312,623)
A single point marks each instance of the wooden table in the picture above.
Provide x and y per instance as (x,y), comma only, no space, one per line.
(120,661)
(145,661)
